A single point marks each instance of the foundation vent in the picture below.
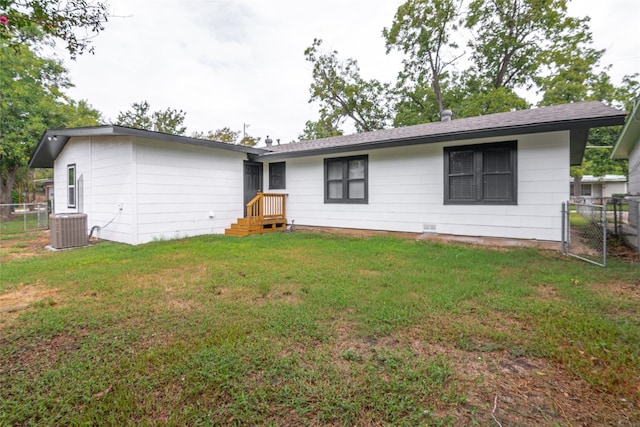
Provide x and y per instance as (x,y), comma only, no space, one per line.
(428,228)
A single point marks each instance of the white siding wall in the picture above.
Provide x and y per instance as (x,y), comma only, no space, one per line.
(178,186)
(610,188)
(113,184)
(406,192)
(76,152)
(166,190)
(104,167)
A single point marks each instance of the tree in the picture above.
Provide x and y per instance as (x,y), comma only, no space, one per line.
(319,129)
(32,99)
(422,30)
(417,104)
(512,38)
(597,161)
(141,117)
(228,136)
(515,46)
(220,135)
(71,21)
(249,141)
(471,97)
(344,94)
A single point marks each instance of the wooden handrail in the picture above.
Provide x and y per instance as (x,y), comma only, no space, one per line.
(266,206)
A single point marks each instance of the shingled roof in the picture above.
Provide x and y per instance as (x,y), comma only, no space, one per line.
(577,118)
(54,140)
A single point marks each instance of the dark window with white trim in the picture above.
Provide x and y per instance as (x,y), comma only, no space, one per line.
(481,174)
(585,189)
(346,180)
(277,176)
(71,186)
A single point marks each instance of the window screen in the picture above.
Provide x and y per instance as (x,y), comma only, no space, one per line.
(481,174)
(346,180)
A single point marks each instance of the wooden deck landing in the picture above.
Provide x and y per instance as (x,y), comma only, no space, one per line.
(265,214)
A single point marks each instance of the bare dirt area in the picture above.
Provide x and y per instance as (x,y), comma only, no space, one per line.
(530,392)
(618,249)
(14,302)
(499,388)
(29,244)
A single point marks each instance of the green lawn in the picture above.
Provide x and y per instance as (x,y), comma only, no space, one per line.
(312,329)
(15,226)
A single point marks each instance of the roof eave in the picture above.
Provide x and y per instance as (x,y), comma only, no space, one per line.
(53,141)
(579,131)
(630,134)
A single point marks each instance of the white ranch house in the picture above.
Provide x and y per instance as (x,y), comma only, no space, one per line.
(628,147)
(499,175)
(600,188)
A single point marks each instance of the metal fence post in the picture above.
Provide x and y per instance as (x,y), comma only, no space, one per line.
(637,226)
(564,230)
(615,216)
(604,236)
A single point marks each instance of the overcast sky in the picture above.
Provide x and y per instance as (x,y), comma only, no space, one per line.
(228,63)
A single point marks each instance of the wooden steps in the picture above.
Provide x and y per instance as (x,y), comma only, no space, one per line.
(265,214)
(243,227)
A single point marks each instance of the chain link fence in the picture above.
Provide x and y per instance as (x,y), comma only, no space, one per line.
(22,217)
(584,231)
(626,217)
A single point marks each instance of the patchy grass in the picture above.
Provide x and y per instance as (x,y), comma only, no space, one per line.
(309,329)
(19,238)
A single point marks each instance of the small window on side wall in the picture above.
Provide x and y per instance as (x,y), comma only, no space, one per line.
(277,177)
(71,186)
(481,174)
(346,180)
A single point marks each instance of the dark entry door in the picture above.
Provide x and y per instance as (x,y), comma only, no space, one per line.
(252,182)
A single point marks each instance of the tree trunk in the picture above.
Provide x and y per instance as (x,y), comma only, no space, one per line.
(435,81)
(6,186)
(577,186)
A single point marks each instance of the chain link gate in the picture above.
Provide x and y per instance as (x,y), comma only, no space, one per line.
(584,232)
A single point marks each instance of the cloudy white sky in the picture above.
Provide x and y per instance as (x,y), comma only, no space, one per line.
(236,62)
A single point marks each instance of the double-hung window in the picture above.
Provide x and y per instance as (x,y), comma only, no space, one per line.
(345,180)
(481,174)
(71,186)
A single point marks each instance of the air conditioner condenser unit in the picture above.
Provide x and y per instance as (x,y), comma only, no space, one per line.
(68,230)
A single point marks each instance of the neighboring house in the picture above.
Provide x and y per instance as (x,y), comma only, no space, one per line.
(628,147)
(43,189)
(600,187)
(499,175)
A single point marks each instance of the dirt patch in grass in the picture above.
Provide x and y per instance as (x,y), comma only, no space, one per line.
(616,248)
(369,273)
(496,385)
(29,244)
(288,293)
(628,291)
(548,293)
(529,391)
(523,391)
(12,303)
